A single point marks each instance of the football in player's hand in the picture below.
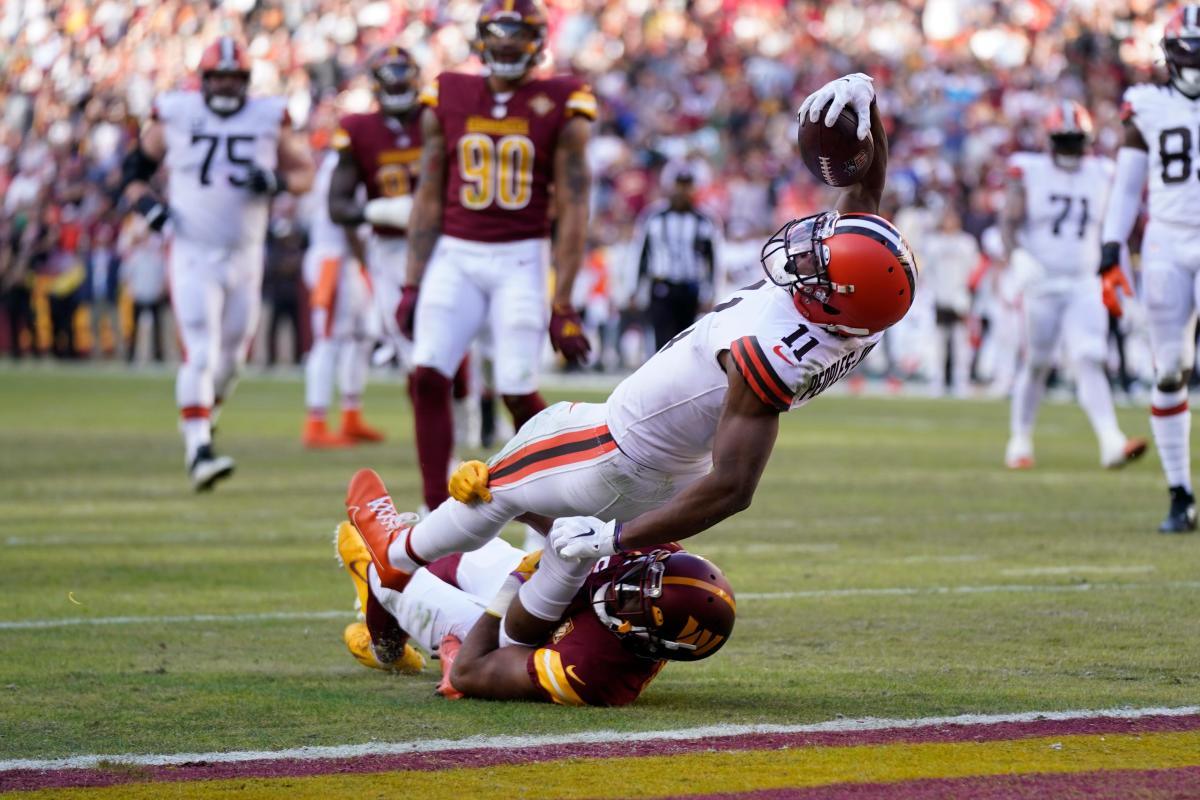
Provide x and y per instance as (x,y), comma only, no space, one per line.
(835,154)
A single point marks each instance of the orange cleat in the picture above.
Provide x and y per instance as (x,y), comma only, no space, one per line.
(318,437)
(1133,449)
(447,652)
(373,514)
(357,431)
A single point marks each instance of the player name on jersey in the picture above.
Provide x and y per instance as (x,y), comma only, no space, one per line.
(387,152)
(500,152)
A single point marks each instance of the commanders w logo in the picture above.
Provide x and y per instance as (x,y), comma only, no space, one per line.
(693,634)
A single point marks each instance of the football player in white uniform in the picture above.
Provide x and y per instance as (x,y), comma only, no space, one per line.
(1051,229)
(1162,145)
(344,329)
(681,443)
(226,155)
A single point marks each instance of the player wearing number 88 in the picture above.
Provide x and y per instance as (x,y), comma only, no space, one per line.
(1051,231)
(682,443)
(494,144)
(226,155)
(1160,148)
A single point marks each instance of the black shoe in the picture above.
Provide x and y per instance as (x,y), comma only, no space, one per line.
(207,468)
(1182,516)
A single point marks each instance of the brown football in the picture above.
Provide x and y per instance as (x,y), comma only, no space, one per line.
(835,155)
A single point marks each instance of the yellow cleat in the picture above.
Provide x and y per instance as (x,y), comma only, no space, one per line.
(358,642)
(469,482)
(352,553)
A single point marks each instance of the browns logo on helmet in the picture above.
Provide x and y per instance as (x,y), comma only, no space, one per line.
(668,604)
(396,79)
(1181,46)
(225,75)
(852,274)
(510,36)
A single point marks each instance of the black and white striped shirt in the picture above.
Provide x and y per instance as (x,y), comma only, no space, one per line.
(676,246)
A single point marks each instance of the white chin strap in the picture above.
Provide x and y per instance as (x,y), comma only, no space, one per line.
(398,103)
(509,70)
(1188,80)
(224,104)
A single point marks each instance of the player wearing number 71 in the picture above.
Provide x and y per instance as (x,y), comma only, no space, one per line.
(226,155)
(681,443)
(1162,130)
(1051,230)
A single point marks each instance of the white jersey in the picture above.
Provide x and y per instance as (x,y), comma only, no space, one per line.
(1064,211)
(324,235)
(1170,124)
(665,415)
(208,158)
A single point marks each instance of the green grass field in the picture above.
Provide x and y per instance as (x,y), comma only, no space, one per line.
(1077,603)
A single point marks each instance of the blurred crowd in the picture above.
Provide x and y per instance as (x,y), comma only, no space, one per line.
(714,83)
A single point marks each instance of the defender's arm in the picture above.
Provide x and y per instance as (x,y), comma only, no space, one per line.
(425,222)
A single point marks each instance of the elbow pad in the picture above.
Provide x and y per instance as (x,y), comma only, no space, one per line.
(392,212)
(1125,200)
(137,166)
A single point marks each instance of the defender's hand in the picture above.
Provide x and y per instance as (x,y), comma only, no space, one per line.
(855,90)
(566,333)
(406,312)
(1112,278)
(577,538)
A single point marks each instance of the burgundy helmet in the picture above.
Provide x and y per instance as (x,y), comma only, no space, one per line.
(510,36)
(396,78)
(668,604)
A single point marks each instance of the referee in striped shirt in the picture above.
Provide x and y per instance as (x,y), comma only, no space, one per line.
(676,250)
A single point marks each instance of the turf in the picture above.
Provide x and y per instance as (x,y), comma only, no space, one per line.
(97,521)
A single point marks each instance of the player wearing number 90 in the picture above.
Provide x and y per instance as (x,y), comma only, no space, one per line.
(681,443)
(494,145)
(1051,230)
(226,155)
(1162,130)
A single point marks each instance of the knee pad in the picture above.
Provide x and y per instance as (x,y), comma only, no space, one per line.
(523,407)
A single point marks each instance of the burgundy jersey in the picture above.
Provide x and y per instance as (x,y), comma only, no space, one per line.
(387,152)
(500,155)
(584,663)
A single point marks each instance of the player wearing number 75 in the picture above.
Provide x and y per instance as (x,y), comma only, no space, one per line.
(497,150)
(681,444)
(226,155)
(1160,146)
(1051,231)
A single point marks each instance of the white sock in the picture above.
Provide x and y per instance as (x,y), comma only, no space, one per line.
(547,594)
(354,358)
(1095,397)
(480,572)
(429,608)
(318,374)
(1171,421)
(1026,398)
(197,432)
(452,527)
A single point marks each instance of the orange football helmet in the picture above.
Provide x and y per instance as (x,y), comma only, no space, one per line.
(667,604)
(225,75)
(511,35)
(852,274)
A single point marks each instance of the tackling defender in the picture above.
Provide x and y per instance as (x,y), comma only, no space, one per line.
(681,443)
(1051,222)
(1161,138)
(594,634)
(494,146)
(226,155)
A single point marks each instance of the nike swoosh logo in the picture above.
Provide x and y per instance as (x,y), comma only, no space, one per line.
(779,352)
(588,532)
(571,672)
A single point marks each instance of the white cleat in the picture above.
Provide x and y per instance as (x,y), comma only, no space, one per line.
(1019,453)
(1127,451)
(207,468)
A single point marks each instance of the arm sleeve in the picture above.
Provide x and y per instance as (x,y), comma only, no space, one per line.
(1126,197)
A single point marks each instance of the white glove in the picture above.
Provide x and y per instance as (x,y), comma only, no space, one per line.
(855,90)
(577,538)
(390,211)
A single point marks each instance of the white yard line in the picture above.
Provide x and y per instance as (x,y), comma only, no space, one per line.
(897,591)
(589,737)
(1073,570)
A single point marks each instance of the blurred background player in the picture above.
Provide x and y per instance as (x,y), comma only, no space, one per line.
(379,151)
(592,634)
(1160,144)
(226,155)
(344,329)
(1051,231)
(494,145)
